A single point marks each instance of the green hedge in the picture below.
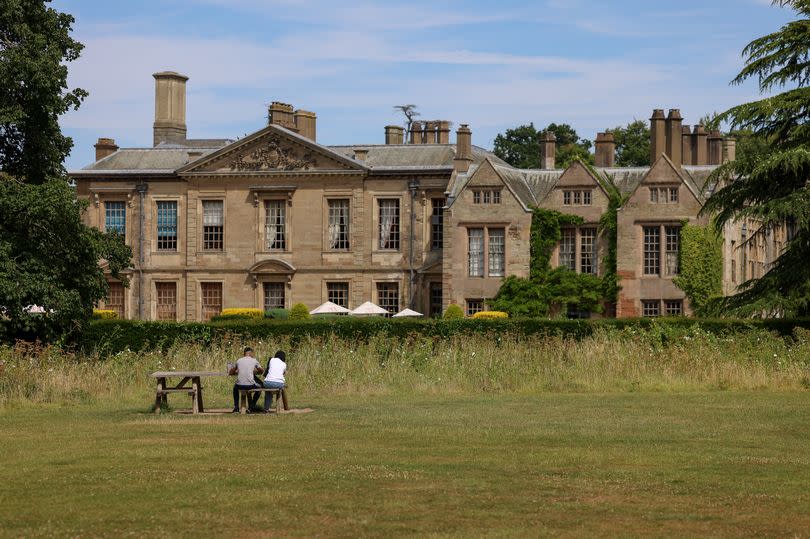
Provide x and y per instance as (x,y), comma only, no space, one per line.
(111,336)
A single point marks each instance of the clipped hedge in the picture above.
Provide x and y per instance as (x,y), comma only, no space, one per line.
(104,314)
(111,336)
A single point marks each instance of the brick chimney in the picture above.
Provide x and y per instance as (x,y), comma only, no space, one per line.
(463,158)
(729,149)
(715,148)
(281,114)
(701,147)
(394,134)
(170,108)
(674,147)
(431,132)
(416,132)
(548,150)
(658,135)
(605,150)
(444,132)
(305,123)
(105,147)
(686,145)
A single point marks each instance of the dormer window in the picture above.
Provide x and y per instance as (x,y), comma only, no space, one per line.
(577,197)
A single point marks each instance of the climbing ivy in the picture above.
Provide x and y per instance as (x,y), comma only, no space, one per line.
(609,228)
(545,235)
(701,266)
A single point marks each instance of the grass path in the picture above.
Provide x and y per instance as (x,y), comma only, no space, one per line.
(719,463)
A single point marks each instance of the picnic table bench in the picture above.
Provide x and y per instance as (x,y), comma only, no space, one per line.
(280,394)
(194,390)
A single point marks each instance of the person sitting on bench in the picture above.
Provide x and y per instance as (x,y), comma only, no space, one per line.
(246,366)
(276,367)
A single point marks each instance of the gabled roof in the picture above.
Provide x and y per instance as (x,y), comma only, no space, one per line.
(254,138)
(410,156)
(664,165)
(145,160)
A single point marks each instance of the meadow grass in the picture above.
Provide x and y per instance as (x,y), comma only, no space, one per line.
(624,433)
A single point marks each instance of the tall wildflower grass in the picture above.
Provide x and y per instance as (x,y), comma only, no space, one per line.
(657,359)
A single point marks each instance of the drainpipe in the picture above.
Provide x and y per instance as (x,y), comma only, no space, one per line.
(413,185)
(141,189)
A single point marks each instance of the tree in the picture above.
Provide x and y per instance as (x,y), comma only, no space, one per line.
(520,146)
(771,189)
(410,113)
(632,144)
(35,44)
(48,257)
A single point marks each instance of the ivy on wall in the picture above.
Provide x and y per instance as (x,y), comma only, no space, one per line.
(701,266)
(609,228)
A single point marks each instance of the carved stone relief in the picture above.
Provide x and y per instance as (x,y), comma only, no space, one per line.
(271,155)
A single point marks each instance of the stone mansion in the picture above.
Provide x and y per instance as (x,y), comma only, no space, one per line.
(275,218)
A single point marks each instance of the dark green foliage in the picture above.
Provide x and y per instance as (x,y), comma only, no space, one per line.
(277,314)
(609,228)
(545,235)
(35,45)
(111,336)
(453,312)
(48,257)
(701,266)
(770,185)
(632,144)
(520,146)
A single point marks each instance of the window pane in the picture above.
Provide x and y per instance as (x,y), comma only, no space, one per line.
(476,197)
(167,226)
(474,306)
(577,198)
(654,195)
(673,241)
(213,218)
(437,223)
(436,298)
(273,296)
(338,293)
(496,197)
(275,217)
(166,301)
(651,307)
(652,250)
(388,297)
(673,194)
(673,307)
(115,217)
(496,252)
(211,299)
(389,223)
(586,198)
(475,252)
(587,250)
(568,249)
(115,299)
(487,197)
(339,224)
(567,198)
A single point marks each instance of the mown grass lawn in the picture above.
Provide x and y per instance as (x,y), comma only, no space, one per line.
(713,463)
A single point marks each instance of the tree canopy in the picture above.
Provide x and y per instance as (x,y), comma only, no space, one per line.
(48,257)
(769,186)
(632,144)
(520,146)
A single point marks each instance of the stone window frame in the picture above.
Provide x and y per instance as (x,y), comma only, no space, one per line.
(664,194)
(201,233)
(179,220)
(382,301)
(156,284)
(201,295)
(341,282)
(577,197)
(666,264)
(486,196)
(398,233)
(282,284)
(437,222)
(474,305)
(486,249)
(121,310)
(286,208)
(115,200)
(432,303)
(327,199)
(577,254)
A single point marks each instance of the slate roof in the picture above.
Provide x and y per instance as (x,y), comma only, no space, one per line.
(164,159)
(383,156)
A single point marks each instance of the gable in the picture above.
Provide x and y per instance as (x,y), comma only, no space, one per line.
(577,175)
(664,173)
(272,149)
(487,176)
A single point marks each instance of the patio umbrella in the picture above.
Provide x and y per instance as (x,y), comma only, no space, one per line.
(407,313)
(34,309)
(368,309)
(329,308)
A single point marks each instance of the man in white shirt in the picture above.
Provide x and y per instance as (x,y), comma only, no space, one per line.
(276,368)
(246,366)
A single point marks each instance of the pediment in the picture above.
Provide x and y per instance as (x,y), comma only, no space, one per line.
(272,150)
(271,266)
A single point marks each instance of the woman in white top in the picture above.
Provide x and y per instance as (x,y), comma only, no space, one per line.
(276,368)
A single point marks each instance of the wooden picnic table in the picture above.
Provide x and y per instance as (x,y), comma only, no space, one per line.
(195,390)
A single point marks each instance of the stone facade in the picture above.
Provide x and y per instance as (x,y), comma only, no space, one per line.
(275,218)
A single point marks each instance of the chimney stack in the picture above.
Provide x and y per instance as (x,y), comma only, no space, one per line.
(170,108)
(281,114)
(360,154)
(394,134)
(416,132)
(658,138)
(548,150)
(463,158)
(729,149)
(701,145)
(105,147)
(305,123)
(715,148)
(688,155)
(444,132)
(431,132)
(605,150)
(674,124)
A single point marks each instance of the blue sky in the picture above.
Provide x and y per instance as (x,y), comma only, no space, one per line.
(593,64)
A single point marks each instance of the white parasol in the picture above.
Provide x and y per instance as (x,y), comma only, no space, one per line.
(329,308)
(369,309)
(407,313)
